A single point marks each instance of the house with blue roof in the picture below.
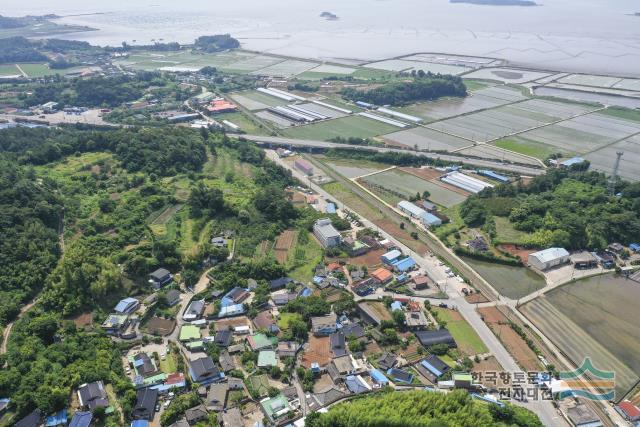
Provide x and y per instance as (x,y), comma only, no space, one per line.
(571,162)
(430,220)
(305,292)
(491,174)
(57,419)
(391,256)
(140,423)
(396,305)
(231,310)
(403,265)
(635,247)
(81,419)
(434,366)
(331,208)
(127,306)
(378,377)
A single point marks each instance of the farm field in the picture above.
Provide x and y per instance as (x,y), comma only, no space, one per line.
(245,122)
(251,64)
(515,345)
(353,168)
(498,122)
(307,253)
(427,139)
(150,60)
(468,341)
(355,126)
(254,100)
(380,309)
(408,65)
(489,151)
(404,185)
(507,75)
(598,317)
(604,158)
(521,145)
(628,84)
(283,245)
(332,69)
(481,99)
(9,70)
(287,68)
(512,282)
(590,80)
(41,70)
(585,133)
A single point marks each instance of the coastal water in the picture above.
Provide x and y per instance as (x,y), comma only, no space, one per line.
(589,35)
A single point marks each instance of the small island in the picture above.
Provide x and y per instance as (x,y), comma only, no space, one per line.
(329,16)
(498,2)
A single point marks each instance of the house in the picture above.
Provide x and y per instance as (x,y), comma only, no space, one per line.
(287,349)
(226,361)
(139,423)
(328,396)
(219,106)
(127,306)
(194,311)
(146,399)
(326,233)
(391,256)
(406,264)
(547,258)
(116,324)
(267,359)
(356,247)
(584,260)
(416,320)
(196,414)
(160,277)
(324,325)
(303,166)
(628,410)
(382,276)
(173,297)
(421,282)
(582,416)
(235,296)
(635,247)
(231,310)
(478,244)
(143,365)
(462,380)
(81,419)
(330,208)
(400,376)
(378,378)
(31,420)
(338,344)
(235,384)
(429,206)
(434,366)
(353,330)
(279,283)
(615,247)
(571,162)
(282,298)
(232,418)
(441,336)
(340,367)
(356,384)
(217,397)
(180,423)
(264,320)
(430,220)
(606,259)
(276,407)
(203,371)
(387,361)
(93,395)
(223,338)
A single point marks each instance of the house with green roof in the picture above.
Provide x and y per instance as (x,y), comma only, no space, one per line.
(276,407)
(189,333)
(267,359)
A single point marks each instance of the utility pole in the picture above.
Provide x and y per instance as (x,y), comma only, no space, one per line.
(614,174)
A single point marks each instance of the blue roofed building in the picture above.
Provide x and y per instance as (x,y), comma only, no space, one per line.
(434,366)
(635,247)
(493,175)
(396,305)
(81,419)
(430,220)
(140,423)
(331,208)
(571,162)
(391,256)
(305,292)
(127,306)
(231,310)
(403,265)
(378,377)
(57,419)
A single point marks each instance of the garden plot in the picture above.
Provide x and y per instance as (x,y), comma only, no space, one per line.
(287,68)
(350,126)
(598,318)
(487,151)
(585,133)
(254,100)
(325,111)
(427,139)
(604,158)
(590,80)
(478,100)
(507,75)
(404,185)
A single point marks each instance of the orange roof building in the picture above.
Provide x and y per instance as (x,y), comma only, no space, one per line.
(219,106)
(334,266)
(382,276)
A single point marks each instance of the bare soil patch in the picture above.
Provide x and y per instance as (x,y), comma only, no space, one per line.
(231,323)
(283,245)
(516,250)
(476,297)
(370,260)
(83,320)
(159,326)
(394,229)
(318,352)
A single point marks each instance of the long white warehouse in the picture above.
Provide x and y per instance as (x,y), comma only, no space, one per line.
(299,98)
(308,112)
(460,180)
(276,94)
(324,104)
(383,120)
(399,115)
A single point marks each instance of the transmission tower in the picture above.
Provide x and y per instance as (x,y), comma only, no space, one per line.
(614,174)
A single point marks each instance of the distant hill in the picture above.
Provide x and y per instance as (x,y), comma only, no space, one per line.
(498,2)
(7,22)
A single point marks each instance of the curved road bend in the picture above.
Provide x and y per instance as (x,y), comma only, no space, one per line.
(545,410)
(290,142)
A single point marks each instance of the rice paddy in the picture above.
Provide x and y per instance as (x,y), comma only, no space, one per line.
(507,75)
(287,68)
(488,151)
(409,65)
(427,139)
(604,158)
(597,316)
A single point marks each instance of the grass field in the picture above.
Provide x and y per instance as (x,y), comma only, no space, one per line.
(355,126)
(9,70)
(307,253)
(506,232)
(246,123)
(512,282)
(526,147)
(598,318)
(169,365)
(286,318)
(468,341)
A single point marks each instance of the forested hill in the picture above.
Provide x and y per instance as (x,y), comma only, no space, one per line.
(424,87)
(565,208)
(421,408)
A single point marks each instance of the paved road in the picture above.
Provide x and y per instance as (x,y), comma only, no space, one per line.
(545,410)
(289,142)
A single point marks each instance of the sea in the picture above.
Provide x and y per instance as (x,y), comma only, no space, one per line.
(588,36)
